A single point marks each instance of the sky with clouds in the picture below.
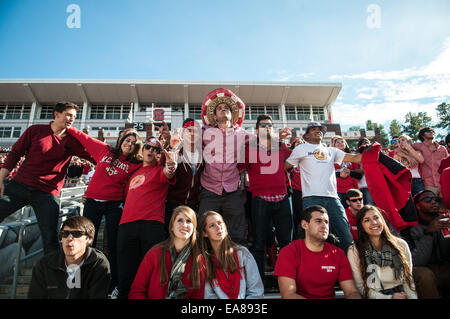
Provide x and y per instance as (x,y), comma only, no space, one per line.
(392,57)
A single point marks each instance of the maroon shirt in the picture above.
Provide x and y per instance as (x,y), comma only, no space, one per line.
(47,157)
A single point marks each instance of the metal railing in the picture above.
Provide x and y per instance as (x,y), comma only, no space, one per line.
(24,224)
(27,222)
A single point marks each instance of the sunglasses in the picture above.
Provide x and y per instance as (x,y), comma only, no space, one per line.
(155,148)
(265,124)
(432,198)
(354,200)
(74,233)
(393,141)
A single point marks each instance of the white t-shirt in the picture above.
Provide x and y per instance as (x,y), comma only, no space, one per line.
(316,163)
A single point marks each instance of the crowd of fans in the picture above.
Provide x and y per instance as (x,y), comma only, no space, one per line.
(375,221)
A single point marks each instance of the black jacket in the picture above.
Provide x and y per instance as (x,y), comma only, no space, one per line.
(49,278)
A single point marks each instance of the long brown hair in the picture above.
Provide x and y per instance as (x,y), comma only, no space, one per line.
(363,242)
(135,155)
(226,250)
(169,243)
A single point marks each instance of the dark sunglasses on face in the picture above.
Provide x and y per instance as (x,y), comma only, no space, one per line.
(265,124)
(156,149)
(354,200)
(74,233)
(393,141)
(429,199)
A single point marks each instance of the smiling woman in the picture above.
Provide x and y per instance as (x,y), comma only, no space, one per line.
(381,262)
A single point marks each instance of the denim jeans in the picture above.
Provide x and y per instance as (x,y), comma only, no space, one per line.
(416,186)
(263,212)
(45,206)
(367,198)
(339,225)
(112,210)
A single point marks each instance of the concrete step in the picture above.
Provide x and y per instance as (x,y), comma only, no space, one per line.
(21,289)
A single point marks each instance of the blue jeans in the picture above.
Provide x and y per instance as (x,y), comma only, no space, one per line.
(367,198)
(263,212)
(339,225)
(416,186)
(45,206)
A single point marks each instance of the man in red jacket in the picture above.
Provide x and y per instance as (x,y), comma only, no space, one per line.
(47,149)
(265,156)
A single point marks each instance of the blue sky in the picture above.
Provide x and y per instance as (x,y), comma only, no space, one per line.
(388,63)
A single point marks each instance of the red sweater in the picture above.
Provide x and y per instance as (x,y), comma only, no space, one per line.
(47,157)
(344,184)
(108,183)
(352,221)
(146,283)
(266,170)
(146,195)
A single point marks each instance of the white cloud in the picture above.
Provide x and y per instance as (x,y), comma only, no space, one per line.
(285,76)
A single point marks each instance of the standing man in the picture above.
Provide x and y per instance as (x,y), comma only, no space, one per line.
(223,148)
(433,153)
(316,162)
(310,267)
(47,149)
(76,271)
(265,158)
(394,144)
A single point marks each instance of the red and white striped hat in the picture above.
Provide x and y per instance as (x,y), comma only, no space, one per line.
(219,96)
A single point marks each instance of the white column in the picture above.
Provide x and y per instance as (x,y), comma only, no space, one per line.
(33,111)
(186,110)
(283,115)
(311,116)
(84,116)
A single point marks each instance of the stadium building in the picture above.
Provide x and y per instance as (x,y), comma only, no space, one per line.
(108,106)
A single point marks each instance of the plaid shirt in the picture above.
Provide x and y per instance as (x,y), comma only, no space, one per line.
(273,198)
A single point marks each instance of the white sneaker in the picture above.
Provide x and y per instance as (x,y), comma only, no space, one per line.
(115,293)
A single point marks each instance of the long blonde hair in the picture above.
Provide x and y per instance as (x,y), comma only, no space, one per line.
(169,243)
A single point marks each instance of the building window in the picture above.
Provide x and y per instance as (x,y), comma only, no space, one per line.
(113,112)
(195,112)
(15,112)
(291,115)
(5,132)
(318,113)
(256,111)
(273,112)
(46,112)
(303,113)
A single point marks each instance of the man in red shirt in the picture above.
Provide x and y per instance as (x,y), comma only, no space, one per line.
(142,223)
(308,268)
(47,149)
(354,199)
(265,158)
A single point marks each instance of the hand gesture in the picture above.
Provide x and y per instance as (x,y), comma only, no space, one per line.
(284,133)
(175,139)
(164,131)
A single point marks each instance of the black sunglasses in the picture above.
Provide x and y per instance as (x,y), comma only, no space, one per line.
(74,233)
(354,200)
(155,148)
(429,199)
(265,124)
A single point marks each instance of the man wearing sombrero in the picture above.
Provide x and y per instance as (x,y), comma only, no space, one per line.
(223,146)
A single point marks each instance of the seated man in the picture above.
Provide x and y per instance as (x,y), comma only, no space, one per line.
(309,268)
(429,249)
(75,272)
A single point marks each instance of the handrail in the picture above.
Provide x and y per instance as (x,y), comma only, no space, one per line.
(24,224)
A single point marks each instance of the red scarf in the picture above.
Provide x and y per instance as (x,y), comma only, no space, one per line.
(229,282)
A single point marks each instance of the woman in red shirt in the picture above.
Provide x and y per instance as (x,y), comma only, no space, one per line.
(106,191)
(174,268)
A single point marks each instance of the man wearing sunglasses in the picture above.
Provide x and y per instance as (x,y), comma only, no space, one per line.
(354,200)
(394,145)
(429,249)
(77,271)
(142,222)
(433,154)
(265,156)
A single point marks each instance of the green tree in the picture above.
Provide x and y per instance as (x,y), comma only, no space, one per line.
(372,126)
(414,122)
(443,113)
(395,129)
(355,129)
